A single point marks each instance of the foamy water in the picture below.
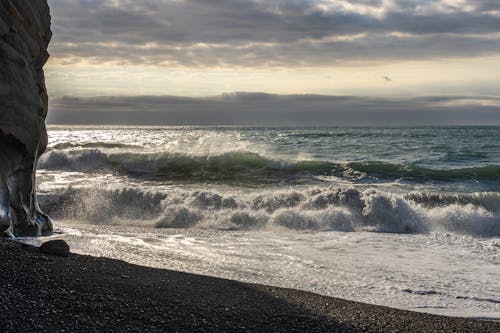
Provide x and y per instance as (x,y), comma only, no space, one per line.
(407,218)
(436,273)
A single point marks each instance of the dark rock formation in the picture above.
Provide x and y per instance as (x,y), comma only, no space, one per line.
(24,37)
(56,247)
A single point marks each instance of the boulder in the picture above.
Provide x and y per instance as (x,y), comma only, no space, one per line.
(56,247)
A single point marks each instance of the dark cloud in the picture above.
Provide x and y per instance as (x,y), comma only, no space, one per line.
(488,5)
(260,109)
(269,33)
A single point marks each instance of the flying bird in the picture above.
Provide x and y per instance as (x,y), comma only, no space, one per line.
(386,78)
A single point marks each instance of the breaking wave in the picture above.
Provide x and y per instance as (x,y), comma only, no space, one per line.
(249,166)
(98,144)
(315,209)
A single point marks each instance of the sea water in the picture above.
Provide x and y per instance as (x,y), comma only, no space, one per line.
(403,217)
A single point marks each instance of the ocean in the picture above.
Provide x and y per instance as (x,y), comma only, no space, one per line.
(403,217)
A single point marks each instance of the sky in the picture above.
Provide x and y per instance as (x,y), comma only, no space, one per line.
(293,62)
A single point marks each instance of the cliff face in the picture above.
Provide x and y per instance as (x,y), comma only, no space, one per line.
(24,37)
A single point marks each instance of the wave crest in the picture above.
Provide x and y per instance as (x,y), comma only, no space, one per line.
(317,209)
(245,166)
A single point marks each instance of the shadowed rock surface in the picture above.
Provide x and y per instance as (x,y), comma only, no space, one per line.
(24,37)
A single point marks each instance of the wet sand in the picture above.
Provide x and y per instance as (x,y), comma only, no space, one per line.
(43,293)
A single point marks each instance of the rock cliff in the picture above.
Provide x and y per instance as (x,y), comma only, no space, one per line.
(24,36)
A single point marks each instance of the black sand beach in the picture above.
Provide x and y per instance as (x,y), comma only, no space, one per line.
(43,293)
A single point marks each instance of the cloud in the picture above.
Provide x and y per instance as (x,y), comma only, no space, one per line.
(260,109)
(258,33)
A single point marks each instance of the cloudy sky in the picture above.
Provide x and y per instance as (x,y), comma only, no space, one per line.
(317,61)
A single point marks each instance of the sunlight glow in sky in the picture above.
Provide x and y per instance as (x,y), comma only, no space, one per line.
(478,76)
(198,48)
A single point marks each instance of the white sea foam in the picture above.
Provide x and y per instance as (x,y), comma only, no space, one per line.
(438,273)
(315,209)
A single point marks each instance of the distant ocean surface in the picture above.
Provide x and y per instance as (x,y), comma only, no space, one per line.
(404,217)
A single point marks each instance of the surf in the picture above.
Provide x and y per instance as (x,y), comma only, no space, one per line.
(314,209)
(251,166)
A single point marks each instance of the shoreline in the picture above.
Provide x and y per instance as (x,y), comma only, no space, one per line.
(83,293)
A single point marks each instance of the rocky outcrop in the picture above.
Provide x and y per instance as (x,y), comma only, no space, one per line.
(24,37)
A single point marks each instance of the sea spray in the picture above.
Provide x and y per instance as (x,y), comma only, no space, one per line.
(314,209)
